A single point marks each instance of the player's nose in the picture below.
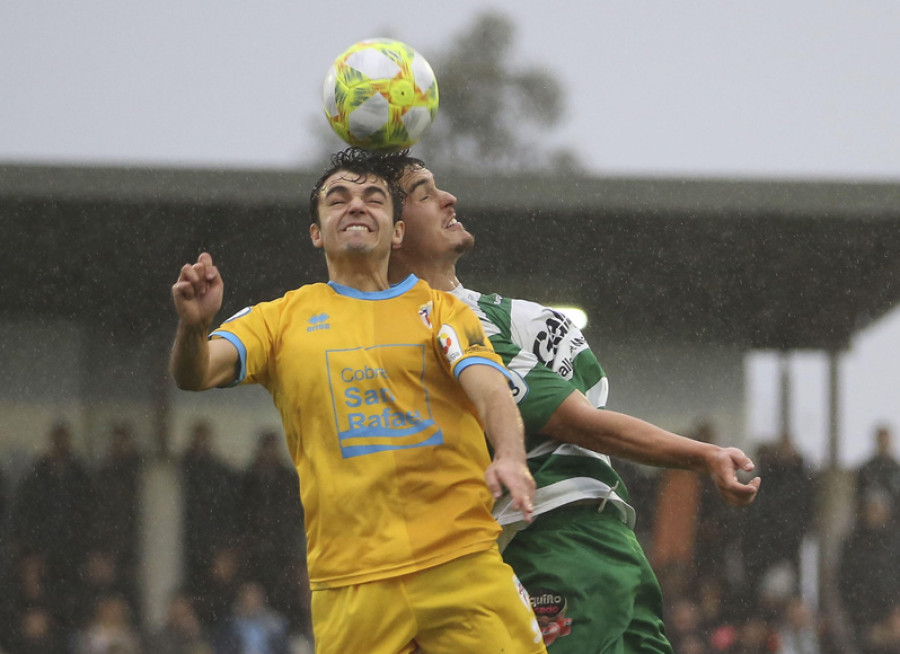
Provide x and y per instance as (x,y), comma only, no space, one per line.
(357,205)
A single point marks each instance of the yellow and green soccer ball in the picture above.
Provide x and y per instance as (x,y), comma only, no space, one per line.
(380,94)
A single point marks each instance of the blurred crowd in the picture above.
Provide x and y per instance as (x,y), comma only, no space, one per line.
(733,579)
(71,555)
(737,581)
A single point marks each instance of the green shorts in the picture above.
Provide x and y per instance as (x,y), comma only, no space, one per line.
(590,583)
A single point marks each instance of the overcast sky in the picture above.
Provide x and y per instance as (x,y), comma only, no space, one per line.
(770,88)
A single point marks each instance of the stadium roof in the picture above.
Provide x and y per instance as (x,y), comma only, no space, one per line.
(757,264)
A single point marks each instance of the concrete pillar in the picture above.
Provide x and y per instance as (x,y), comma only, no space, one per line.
(161,537)
(834,410)
(784,393)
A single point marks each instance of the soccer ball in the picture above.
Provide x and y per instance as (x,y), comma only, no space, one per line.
(380,94)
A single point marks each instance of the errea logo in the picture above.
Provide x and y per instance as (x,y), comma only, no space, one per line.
(318,321)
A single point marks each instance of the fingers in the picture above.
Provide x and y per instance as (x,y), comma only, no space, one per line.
(526,506)
(205,267)
(194,279)
(197,293)
(522,493)
(724,470)
(183,289)
(518,482)
(740,494)
(741,460)
(202,272)
(493,483)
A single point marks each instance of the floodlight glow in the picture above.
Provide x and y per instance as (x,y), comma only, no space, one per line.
(575,314)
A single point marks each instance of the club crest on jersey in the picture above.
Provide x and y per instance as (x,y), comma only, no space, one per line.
(450,343)
(425,313)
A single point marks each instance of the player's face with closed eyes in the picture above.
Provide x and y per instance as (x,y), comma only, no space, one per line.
(432,227)
(355,215)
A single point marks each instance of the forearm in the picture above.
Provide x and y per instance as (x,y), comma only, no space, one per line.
(502,423)
(640,441)
(189,360)
(626,437)
(488,390)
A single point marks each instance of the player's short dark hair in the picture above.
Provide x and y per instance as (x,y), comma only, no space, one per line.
(363,163)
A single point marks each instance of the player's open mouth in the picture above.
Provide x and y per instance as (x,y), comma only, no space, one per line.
(453,221)
(357,228)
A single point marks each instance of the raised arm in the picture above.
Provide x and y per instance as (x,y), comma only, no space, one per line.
(617,434)
(196,362)
(489,391)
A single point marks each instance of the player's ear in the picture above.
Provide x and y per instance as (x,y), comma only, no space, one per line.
(315,235)
(397,237)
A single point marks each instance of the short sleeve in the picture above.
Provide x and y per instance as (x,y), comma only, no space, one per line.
(538,389)
(250,331)
(461,337)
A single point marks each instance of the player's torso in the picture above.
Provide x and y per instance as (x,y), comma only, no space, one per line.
(383,430)
(533,339)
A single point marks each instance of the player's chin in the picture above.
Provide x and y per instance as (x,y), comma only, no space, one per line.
(467,240)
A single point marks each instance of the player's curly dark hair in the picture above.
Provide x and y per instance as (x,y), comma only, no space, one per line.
(389,166)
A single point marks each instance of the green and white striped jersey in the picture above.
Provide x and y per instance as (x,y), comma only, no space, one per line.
(549,358)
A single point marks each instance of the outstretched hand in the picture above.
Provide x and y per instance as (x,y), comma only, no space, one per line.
(723,468)
(198,292)
(513,474)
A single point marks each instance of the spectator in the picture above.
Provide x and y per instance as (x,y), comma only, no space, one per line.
(253,626)
(755,637)
(683,624)
(210,503)
(116,484)
(52,510)
(291,598)
(110,631)
(868,573)
(99,577)
(29,586)
(798,629)
(218,587)
(718,607)
(775,525)
(881,473)
(38,634)
(271,516)
(182,632)
(883,637)
(718,524)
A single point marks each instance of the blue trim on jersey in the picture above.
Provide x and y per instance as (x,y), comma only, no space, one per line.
(385,432)
(395,290)
(359,450)
(242,354)
(476,360)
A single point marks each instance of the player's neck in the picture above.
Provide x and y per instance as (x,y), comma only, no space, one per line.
(442,280)
(363,275)
(440,275)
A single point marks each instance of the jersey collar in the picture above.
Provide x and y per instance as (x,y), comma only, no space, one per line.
(395,290)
